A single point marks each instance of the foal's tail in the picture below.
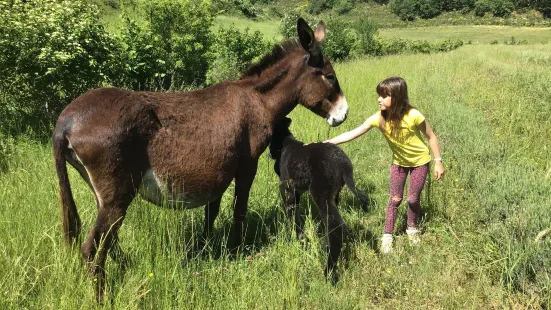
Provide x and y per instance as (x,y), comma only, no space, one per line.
(70,218)
(351,184)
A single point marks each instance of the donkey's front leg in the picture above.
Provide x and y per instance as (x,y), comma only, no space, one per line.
(243,182)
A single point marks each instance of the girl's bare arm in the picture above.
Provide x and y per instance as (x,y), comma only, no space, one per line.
(435,148)
(350,135)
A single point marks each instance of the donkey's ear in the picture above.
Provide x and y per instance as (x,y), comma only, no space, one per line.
(305,34)
(309,41)
(319,34)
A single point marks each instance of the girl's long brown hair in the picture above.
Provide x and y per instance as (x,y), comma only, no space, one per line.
(397,89)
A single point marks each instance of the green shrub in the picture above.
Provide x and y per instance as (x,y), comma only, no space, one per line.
(340,40)
(170,50)
(399,45)
(233,50)
(288,23)
(367,32)
(410,9)
(50,52)
(405,9)
(499,8)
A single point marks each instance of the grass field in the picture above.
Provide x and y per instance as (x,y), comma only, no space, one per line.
(490,107)
(473,34)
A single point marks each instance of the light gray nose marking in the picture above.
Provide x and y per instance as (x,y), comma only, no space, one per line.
(338,114)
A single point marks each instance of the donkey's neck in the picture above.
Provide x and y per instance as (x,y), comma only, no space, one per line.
(277,85)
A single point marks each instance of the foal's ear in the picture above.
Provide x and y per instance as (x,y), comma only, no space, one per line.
(287,122)
(309,41)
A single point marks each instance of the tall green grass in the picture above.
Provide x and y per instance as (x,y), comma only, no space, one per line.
(489,106)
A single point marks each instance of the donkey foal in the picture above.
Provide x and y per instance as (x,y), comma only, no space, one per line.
(321,168)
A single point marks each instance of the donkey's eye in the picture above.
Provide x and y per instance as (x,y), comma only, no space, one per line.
(330,78)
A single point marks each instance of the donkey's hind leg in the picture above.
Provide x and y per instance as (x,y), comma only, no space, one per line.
(115,252)
(114,195)
(335,227)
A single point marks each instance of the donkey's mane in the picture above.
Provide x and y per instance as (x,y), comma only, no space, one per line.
(278,52)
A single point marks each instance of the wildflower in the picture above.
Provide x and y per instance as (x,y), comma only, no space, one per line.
(150,274)
(196,274)
(249,258)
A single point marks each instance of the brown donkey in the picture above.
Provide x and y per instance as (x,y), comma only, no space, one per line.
(184,149)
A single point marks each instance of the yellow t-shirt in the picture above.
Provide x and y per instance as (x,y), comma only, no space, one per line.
(410,150)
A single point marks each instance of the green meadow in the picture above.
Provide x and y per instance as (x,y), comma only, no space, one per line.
(490,106)
(473,34)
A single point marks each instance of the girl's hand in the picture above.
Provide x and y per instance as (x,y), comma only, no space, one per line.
(439,170)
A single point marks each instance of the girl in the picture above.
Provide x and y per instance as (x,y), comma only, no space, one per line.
(402,125)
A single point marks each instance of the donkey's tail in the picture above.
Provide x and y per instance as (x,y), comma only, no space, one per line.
(351,184)
(70,218)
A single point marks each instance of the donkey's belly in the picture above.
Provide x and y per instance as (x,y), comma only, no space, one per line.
(157,191)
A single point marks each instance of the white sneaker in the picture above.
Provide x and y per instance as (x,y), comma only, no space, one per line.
(386,243)
(413,235)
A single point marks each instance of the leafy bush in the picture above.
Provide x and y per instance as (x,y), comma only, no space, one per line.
(410,9)
(341,37)
(233,50)
(405,9)
(367,32)
(171,49)
(288,23)
(499,8)
(457,5)
(44,64)
(399,45)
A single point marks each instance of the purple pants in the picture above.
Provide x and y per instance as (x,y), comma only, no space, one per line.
(398,176)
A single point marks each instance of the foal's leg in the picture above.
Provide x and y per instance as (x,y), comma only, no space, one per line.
(291,200)
(243,182)
(335,227)
(211,212)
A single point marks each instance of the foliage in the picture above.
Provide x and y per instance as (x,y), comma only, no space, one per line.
(171,49)
(367,32)
(245,7)
(43,63)
(345,39)
(393,46)
(410,9)
(340,39)
(339,6)
(499,8)
(233,50)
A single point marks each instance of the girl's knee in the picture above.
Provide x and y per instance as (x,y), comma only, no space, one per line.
(395,200)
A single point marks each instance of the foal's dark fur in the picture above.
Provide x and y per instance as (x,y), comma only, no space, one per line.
(321,168)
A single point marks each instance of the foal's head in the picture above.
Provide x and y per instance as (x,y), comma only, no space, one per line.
(280,133)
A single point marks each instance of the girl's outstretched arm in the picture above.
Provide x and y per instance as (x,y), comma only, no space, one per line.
(435,148)
(350,135)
